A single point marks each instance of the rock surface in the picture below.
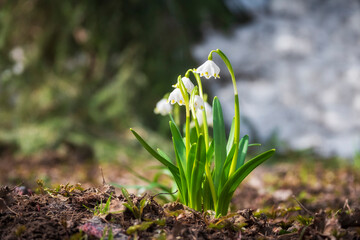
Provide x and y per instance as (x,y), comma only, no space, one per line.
(298,71)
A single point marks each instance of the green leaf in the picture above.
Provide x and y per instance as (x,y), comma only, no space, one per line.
(210,152)
(183,183)
(219,142)
(190,164)
(231,137)
(178,144)
(243,146)
(207,197)
(127,196)
(164,155)
(143,204)
(198,172)
(129,207)
(173,169)
(236,178)
(228,163)
(193,135)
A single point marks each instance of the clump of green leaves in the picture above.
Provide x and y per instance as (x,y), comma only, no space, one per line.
(207,169)
(136,210)
(101,209)
(304,220)
(63,190)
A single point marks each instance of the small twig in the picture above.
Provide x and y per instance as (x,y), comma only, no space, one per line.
(346,205)
(8,207)
(303,207)
(152,197)
(102,174)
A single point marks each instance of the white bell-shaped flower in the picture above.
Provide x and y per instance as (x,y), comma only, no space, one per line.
(189,86)
(198,103)
(176,97)
(208,69)
(163,107)
(209,115)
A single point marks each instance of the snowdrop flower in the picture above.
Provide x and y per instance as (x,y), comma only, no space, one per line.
(198,103)
(189,86)
(163,107)
(209,115)
(17,54)
(176,97)
(208,69)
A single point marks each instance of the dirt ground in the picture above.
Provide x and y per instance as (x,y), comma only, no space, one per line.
(284,201)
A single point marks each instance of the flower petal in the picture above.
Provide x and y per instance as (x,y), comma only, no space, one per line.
(208,69)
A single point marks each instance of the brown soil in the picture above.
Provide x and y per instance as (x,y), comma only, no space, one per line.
(301,201)
(65,214)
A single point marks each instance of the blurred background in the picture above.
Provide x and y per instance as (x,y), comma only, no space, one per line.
(76,75)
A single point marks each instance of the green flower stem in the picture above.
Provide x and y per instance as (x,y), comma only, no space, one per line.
(205,125)
(206,137)
(237,111)
(194,115)
(187,106)
(211,183)
(177,114)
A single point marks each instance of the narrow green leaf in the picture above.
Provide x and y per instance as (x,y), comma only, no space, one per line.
(178,144)
(164,155)
(207,197)
(183,182)
(198,172)
(129,207)
(231,137)
(210,152)
(173,169)
(161,159)
(219,142)
(127,196)
(190,165)
(236,178)
(228,163)
(193,135)
(243,146)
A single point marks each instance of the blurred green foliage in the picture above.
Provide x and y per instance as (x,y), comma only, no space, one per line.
(85,71)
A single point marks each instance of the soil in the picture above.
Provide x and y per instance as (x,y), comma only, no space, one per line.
(288,201)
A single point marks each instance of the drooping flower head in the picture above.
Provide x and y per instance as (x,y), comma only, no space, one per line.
(189,86)
(208,69)
(163,107)
(176,97)
(209,115)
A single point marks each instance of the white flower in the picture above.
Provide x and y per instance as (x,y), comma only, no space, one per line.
(198,103)
(176,97)
(17,54)
(189,86)
(209,115)
(163,107)
(208,69)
